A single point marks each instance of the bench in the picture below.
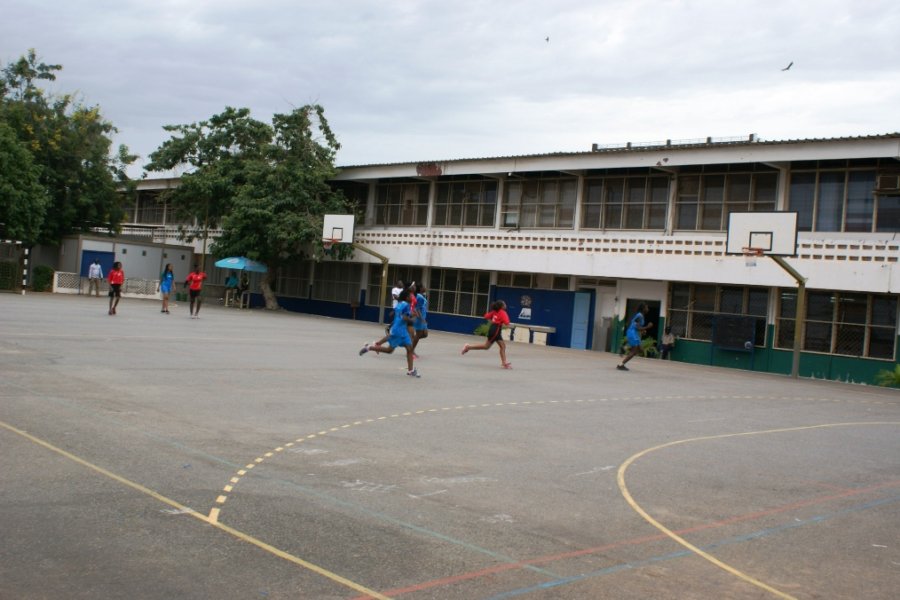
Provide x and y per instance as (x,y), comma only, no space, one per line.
(528,334)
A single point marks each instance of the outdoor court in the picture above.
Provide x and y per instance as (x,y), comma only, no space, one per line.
(249,454)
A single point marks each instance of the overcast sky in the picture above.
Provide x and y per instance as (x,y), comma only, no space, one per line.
(407,80)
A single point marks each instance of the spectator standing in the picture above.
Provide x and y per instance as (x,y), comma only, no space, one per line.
(95,275)
(165,287)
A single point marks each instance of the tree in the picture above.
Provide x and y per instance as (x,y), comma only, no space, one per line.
(23,200)
(70,146)
(265,186)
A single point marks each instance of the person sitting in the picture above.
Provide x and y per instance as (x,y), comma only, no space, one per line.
(668,344)
(231,286)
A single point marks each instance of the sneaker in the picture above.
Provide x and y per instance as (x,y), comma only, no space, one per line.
(364,350)
(465,349)
(413,373)
(622,367)
(507,365)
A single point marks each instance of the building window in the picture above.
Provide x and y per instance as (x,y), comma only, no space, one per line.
(457,292)
(836,199)
(704,201)
(401,204)
(845,323)
(293,280)
(337,281)
(534,281)
(887,212)
(539,203)
(692,308)
(465,204)
(151,209)
(625,203)
(395,272)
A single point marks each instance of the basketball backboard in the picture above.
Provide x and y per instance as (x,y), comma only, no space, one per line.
(773,233)
(338,229)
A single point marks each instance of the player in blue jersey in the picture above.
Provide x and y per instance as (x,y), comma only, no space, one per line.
(399,334)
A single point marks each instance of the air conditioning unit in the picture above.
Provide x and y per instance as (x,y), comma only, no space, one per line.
(888,183)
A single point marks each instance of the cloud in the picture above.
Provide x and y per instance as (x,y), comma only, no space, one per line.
(428,80)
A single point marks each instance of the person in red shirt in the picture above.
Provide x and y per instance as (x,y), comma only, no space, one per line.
(498,318)
(194,283)
(116,278)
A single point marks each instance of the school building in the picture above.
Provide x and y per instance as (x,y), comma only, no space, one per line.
(574,241)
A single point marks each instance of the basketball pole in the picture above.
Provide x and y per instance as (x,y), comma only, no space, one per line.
(799,323)
(384,276)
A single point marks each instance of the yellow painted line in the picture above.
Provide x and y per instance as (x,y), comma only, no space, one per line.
(235,479)
(227,488)
(221,499)
(668,532)
(211,520)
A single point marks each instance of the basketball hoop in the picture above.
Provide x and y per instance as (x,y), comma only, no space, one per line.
(750,255)
(328,243)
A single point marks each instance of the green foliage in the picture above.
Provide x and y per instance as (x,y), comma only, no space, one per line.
(69,145)
(648,347)
(43,278)
(266,186)
(888,378)
(23,200)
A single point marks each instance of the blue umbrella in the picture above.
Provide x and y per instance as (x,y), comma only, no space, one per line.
(242,263)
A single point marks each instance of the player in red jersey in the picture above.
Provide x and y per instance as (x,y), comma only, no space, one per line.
(116,278)
(498,318)
(194,283)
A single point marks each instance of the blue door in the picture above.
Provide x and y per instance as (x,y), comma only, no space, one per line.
(581,316)
(106,261)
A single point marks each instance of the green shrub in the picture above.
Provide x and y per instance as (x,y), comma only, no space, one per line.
(648,347)
(888,378)
(43,279)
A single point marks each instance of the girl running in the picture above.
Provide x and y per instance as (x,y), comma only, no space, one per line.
(399,334)
(498,318)
(420,325)
(636,330)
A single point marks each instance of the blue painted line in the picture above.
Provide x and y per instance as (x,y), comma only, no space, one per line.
(684,553)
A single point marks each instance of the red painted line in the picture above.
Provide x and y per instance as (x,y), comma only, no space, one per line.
(630,542)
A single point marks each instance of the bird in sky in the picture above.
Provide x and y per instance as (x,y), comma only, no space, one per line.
(547,39)
(789,66)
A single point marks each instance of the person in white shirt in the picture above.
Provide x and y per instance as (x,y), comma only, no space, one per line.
(95,276)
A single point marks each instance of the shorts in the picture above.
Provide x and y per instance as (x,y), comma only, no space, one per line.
(115,290)
(494,333)
(634,338)
(194,294)
(398,339)
(420,325)
(165,289)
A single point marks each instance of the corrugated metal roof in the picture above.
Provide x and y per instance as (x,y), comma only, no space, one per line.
(749,140)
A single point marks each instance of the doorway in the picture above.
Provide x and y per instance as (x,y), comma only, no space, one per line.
(653,308)
(604,316)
